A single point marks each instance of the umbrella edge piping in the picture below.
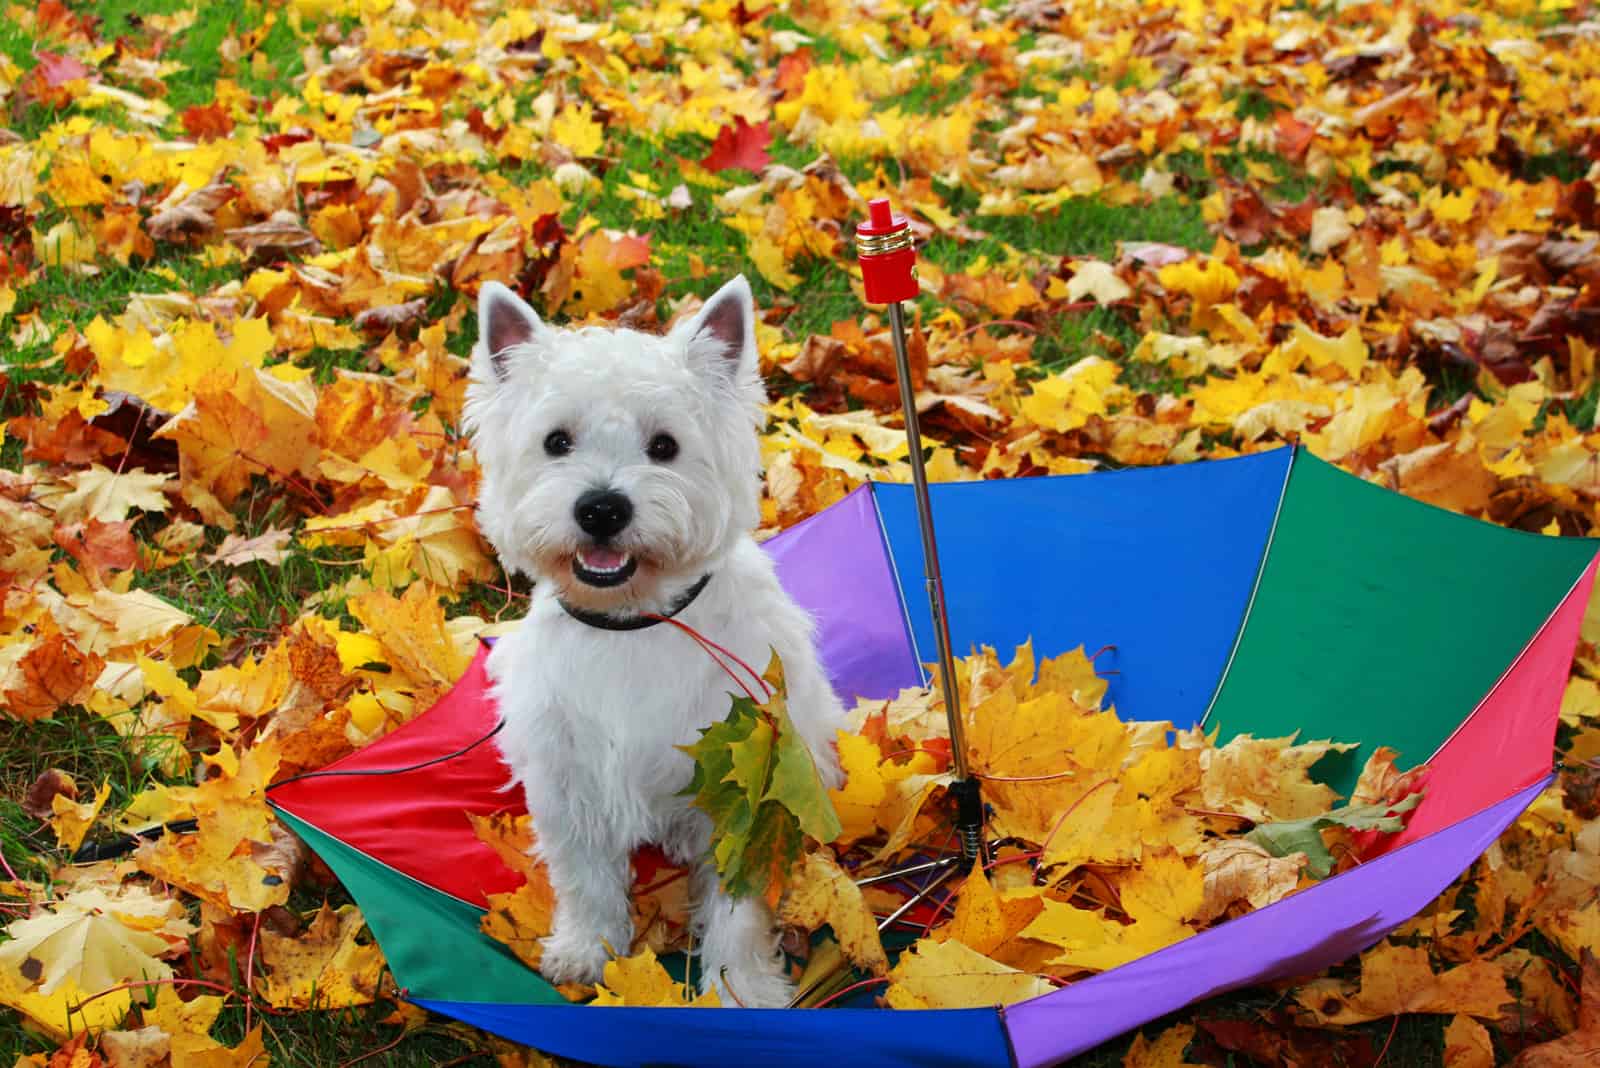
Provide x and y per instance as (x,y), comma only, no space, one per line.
(1255,587)
(1533,640)
(277,807)
(1005,1010)
(899,586)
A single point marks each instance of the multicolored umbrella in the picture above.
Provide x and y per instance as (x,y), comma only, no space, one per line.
(1266,594)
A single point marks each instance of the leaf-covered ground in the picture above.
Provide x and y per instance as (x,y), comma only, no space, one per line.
(238,250)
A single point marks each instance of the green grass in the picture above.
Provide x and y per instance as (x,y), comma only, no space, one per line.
(333,1038)
(198,48)
(1080,227)
(1581,411)
(1253,104)
(78,742)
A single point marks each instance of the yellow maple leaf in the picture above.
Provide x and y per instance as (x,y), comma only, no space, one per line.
(65,246)
(1581,702)
(1166,1051)
(1159,897)
(641,980)
(1065,401)
(94,939)
(820,892)
(1267,779)
(412,633)
(172,1014)
(1400,979)
(65,1011)
(858,800)
(1209,283)
(118,623)
(519,918)
(99,493)
(218,862)
(1165,889)
(1467,1044)
(72,820)
(950,975)
(326,966)
(190,1050)
(1347,352)
(238,426)
(510,835)
(575,129)
(771,263)
(990,922)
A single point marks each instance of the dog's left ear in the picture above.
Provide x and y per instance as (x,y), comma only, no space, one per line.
(723,332)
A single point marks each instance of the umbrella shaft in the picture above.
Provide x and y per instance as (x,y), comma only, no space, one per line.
(930,551)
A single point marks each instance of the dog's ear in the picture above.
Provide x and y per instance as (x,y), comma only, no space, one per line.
(504,322)
(725,329)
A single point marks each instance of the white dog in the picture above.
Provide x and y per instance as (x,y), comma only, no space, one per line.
(621,472)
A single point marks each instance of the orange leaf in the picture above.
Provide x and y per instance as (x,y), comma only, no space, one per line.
(53,673)
(99,546)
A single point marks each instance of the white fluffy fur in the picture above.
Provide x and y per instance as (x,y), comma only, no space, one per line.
(593,717)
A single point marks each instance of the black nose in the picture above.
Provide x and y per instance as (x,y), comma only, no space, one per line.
(603,513)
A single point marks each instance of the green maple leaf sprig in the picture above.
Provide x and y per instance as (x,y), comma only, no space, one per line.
(755,778)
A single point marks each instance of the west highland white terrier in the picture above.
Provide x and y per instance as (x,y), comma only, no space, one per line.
(621,472)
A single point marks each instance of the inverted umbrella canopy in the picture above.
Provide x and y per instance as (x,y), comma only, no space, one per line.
(1266,594)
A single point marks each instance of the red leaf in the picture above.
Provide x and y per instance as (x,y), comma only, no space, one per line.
(547,230)
(207,123)
(277,142)
(56,70)
(740,145)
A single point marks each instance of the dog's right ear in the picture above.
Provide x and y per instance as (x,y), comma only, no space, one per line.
(504,322)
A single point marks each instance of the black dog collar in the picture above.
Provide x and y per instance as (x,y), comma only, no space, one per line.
(606,621)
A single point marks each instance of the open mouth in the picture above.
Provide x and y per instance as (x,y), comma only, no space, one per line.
(599,566)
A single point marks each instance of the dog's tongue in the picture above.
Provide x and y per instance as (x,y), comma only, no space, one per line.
(601,559)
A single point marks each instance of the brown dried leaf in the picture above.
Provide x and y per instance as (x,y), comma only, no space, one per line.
(282,234)
(267,547)
(191,216)
(389,317)
(50,783)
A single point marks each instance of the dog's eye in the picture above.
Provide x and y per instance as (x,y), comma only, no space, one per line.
(662,448)
(557,443)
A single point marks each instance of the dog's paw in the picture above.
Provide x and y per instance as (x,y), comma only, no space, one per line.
(752,988)
(568,959)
